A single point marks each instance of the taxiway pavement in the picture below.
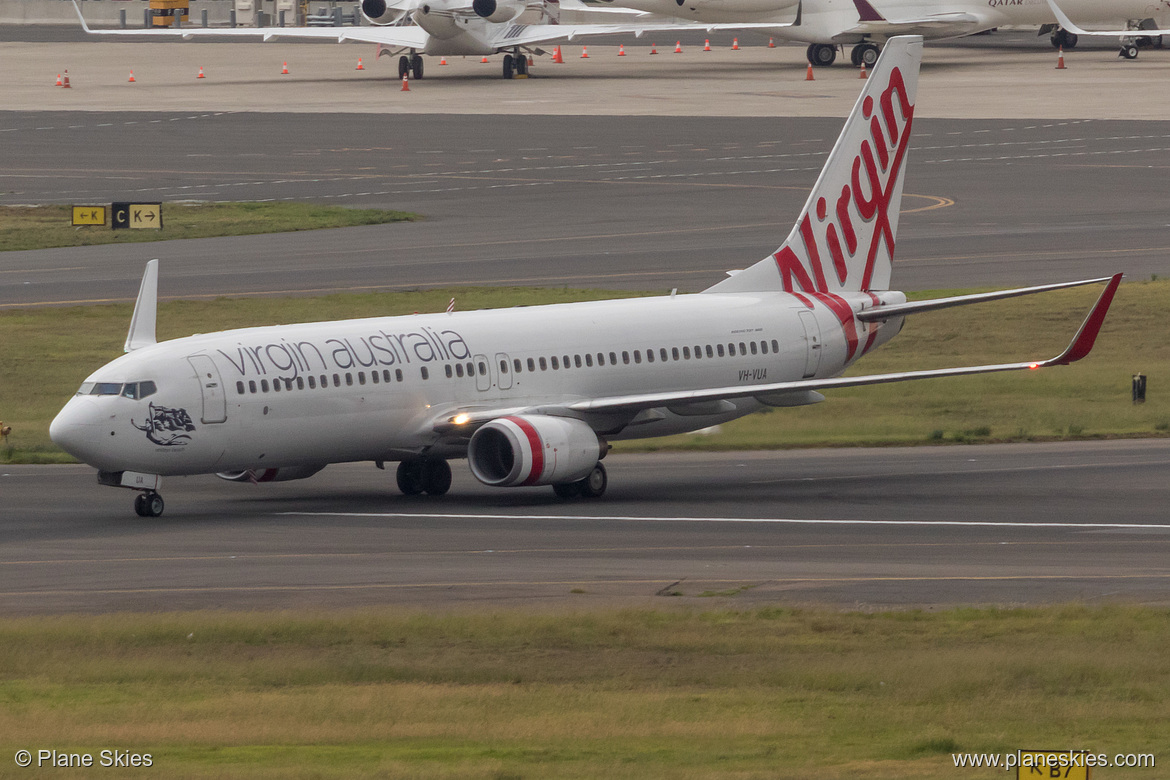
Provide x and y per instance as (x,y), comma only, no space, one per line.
(1007,524)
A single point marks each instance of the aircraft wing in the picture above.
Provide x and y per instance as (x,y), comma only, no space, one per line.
(413,37)
(533,34)
(871,22)
(1069,25)
(1079,347)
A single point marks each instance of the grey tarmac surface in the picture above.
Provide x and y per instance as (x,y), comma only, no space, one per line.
(1005,524)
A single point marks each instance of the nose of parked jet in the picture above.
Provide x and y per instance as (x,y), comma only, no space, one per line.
(75,428)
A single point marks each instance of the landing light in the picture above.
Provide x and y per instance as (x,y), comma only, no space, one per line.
(1033,366)
(461,419)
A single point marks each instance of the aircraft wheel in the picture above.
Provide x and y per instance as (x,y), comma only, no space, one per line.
(508,66)
(567,490)
(822,55)
(1129,51)
(521,65)
(410,477)
(403,65)
(594,485)
(435,476)
(1070,40)
(416,67)
(140,505)
(154,505)
(869,55)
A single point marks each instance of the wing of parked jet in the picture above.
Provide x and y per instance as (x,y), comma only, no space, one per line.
(871,22)
(1127,38)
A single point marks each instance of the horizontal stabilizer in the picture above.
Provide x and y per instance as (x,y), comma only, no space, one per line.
(917,307)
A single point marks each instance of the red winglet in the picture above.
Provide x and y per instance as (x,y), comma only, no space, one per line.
(1082,343)
(866,12)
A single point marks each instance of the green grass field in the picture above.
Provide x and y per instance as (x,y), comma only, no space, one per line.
(46,353)
(42,227)
(766,693)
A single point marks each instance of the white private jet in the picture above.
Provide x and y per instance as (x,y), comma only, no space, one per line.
(445,28)
(532,396)
(1139,32)
(827,25)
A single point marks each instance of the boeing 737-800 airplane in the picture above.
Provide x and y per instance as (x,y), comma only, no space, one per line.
(532,396)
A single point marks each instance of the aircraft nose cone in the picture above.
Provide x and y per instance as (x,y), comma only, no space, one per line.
(74,429)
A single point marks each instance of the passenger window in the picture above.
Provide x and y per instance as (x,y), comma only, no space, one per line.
(361,377)
(686,353)
(649,356)
(424,373)
(613,358)
(763,348)
(775,347)
(239,388)
(336,380)
(588,360)
(753,345)
(251,385)
(459,370)
(543,365)
(503,366)
(374,377)
(698,352)
(386,375)
(742,348)
(531,364)
(566,362)
(447,370)
(348,379)
(731,350)
(398,374)
(637,356)
(719,349)
(516,365)
(674,352)
(300,383)
(312,383)
(555,364)
(662,354)
(710,352)
(276,385)
(577,360)
(625,357)
(601,358)
(264,385)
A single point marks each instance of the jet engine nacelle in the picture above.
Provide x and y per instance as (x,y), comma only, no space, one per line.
(379,12)
(533,450)
(497,11)
(283,474)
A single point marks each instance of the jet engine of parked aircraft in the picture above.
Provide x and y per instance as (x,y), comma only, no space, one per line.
(379,12)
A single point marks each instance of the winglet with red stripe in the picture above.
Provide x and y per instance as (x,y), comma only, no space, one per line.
(1083,342)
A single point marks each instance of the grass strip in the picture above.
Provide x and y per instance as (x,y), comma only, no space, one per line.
(769,692)
(46,353)
(44,227)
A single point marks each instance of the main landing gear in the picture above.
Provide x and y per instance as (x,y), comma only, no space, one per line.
(1063,39)
(515,65)
(148,504)
(593,486)
(412,65)
(865,54)
(821,55)
(424,475)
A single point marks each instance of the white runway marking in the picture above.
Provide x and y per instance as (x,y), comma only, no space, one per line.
(772,520)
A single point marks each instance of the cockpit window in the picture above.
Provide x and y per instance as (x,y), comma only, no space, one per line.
(105,388)
(137,390)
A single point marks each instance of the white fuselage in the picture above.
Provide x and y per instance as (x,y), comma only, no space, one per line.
(373,389)
(824,21)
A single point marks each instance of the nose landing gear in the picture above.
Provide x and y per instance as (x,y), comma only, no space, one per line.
(148,504)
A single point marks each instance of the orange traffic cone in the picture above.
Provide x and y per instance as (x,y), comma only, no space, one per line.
(484,60)
(531,61)
(557,57)
(66,84)
(405,83)
(735,44)
(584,52)
(771,43)
(653,49)
(200,76)
(621,50)
(284,68)
(360,66)
(132,79)
(863,73)
(442,60)
(808,76)
(1060,59)
(59,82)
(707,45)
(678,47)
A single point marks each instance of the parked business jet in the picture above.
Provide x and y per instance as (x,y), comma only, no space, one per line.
(828,25)
(533,396)
(1140,32)
(446,28)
